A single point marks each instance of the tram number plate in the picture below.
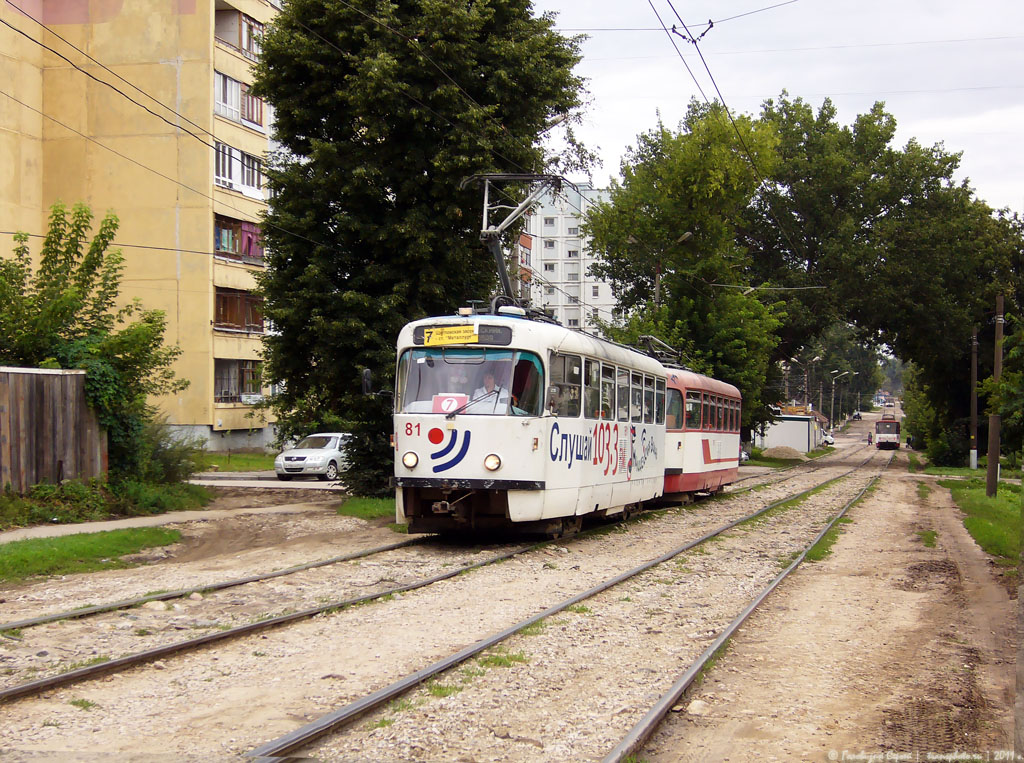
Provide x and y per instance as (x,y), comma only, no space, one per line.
(450,335)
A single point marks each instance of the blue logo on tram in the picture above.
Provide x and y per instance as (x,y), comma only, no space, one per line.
(448,448)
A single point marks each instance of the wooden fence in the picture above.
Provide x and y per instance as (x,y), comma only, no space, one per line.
(47,432)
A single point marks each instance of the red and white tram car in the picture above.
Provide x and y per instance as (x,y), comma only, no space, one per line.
(702,438)
(887,432)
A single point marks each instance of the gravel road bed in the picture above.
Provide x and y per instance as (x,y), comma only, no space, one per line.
(225,700)
(579,683)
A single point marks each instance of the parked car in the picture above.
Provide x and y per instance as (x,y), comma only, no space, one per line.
(744,456)
(856,416)
(322,455)
(828,439)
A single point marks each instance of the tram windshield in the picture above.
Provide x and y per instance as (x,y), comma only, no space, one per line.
(470,380)
(887,427)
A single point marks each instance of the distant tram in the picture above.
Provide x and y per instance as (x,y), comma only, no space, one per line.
(887,432)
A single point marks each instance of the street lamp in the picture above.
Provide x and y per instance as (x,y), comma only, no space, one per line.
(832,405)
(807,376)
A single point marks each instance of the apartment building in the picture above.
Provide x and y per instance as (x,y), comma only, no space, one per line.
(143,108)
(560,258)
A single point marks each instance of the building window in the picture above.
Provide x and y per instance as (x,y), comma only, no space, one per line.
(595,291)
(235,378)
(549,244)
(549,290)
(574,231)
(252,171)
(237,239)
(549,221)
(252,107)
(574,322)
(572,276)
(593,314)
(238,310)
(549,267)
(226,97)
(239,31)
(224,172)
(252,32)
(574,252)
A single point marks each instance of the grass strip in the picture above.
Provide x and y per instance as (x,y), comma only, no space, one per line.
(368,508)
(82,552)
(995,523)
(237,462)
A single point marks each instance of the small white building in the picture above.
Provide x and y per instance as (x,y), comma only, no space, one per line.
(801,431)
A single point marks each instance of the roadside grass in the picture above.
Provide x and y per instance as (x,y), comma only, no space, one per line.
(995,523)
(249,461)
(914,464)
(823,547)
(502,659)
(923,490)
(368,508)
(966,471)
(73,501)
(83,552)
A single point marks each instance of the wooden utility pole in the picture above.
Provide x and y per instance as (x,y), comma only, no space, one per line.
(974,398)
(992,475)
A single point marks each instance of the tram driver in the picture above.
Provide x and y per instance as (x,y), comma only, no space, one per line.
(492,397)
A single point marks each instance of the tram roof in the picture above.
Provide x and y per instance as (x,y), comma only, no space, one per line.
(528,334)
(681,377)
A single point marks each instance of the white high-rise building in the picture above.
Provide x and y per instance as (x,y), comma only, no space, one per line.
(556,259)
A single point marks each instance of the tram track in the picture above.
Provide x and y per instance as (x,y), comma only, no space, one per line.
(301,739)
(87,672)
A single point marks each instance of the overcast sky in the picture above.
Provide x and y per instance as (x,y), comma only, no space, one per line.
(949,72)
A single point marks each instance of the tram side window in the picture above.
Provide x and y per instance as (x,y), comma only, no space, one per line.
(692,409)
(674,419)
(659,401)
(566,375)
(730,410)
(720,404)
(622,375)
(706,418)
(636,398)
(591,389)
(607,391)
(739,414)
(648,399)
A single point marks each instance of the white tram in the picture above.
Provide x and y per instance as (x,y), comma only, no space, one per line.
(887,432)
(501,420)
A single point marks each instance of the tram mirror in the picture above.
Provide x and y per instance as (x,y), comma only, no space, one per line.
(367,381)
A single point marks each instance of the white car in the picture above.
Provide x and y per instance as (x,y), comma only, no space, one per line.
(828,439)
(322,455)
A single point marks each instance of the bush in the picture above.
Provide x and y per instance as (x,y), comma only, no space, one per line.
(167,457)
(948,447)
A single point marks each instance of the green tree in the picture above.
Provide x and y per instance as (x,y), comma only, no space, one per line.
(904,250)
(64,315)
(382,110)
(694,180)
(1007,397)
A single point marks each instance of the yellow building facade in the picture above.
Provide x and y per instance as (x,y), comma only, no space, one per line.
(141,107)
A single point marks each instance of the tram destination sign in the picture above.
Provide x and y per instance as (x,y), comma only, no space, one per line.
(462,334)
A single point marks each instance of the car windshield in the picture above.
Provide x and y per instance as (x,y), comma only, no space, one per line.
(316,442)
(471,380)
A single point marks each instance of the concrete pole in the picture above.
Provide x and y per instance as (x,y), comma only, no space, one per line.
(992,475)
(974,398)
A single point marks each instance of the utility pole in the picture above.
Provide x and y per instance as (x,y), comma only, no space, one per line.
(974,398)
(992,475)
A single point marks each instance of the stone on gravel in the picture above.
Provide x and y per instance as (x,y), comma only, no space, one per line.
(697,707)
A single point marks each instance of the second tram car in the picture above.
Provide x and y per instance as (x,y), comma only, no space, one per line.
(702,438)
(503,421)
(887,432)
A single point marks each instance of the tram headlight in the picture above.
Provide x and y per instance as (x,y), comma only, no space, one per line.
(410,459)
(492,462)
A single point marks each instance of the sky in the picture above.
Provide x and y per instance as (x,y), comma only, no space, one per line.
(949,72)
